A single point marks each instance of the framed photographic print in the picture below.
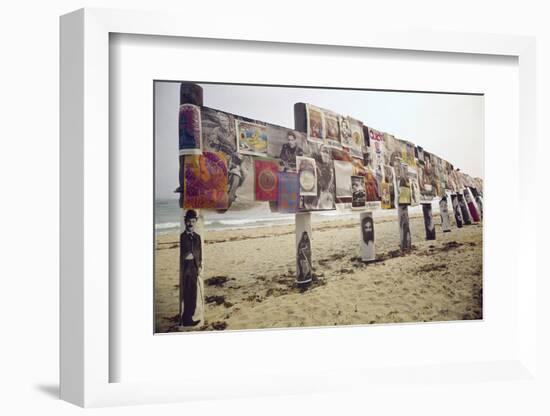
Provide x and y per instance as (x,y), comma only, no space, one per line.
(198,237)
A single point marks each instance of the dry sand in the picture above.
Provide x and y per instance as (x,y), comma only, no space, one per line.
(249,278)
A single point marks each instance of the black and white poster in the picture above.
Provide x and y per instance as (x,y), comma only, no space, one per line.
(304,269)
(428,221)
(404,228)
(367,236)
(444,214)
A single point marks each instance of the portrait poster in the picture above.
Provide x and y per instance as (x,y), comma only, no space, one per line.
(304,267)
(324,197)
(218,132)
(190,130)
(345,132)
(205,181)
(405,238)
(404,184)
(392,152)
(343,172)
(284,145)
(456,210)
(371,184)
(444,214)
(332,128)
(266,179)
(479,201)
(307,174)
(357,139)
(289,192)
(388,188)
(429,225)
(251,138)
(408,153)
(358,196)
(191,308)
(367,236)
(427,180)
(415,187)
(315,124)
(466,219)
(376,152)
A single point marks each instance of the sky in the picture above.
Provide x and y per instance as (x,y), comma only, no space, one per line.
(449,125)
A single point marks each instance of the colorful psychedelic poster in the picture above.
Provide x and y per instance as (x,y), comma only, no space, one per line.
(315,124)
(332,127)
(205,181)
(324,198)
(457,211)
(343,172)
(367,236)
(289,192)
(404,185)
(429,225)
(405,238)
(251,138)
(307,174)
(284,145)
(218,131)
(304,265)
(190,130)
(358,194)
(266,179)
(388,188)
(444,214)
(415,187)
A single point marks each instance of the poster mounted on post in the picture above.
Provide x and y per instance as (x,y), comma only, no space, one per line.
(190,130)
(466,219)
(405,239)
(289,192)
(304,267)
(315,124)
(457,211)
(284,145)
(367,236)
(358,197)
(472,208)
(428,221)
(444,213)
(307,174)
(205,181)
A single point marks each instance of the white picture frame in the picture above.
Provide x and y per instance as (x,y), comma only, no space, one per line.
(86,217)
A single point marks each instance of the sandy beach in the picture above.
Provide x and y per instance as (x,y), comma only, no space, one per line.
(249,274)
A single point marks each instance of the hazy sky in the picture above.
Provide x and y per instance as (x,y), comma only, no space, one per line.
(451,126)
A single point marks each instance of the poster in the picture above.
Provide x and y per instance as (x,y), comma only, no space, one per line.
(372,188)
(304,267)
(307,172)
(289,192)
(466,219)
(404,184)
(478,200)
(429,225)
(405,238)
(357,140)
(457,211)
(218,131)
(284,145)
(266,179)
(324,196)
(444,214)
(472,208)
(251,138)
(388,188)
(315,124)
(367,236)
(415,187)
(205,181)
(332,127)
(343,172)
(358,196)
(190,130)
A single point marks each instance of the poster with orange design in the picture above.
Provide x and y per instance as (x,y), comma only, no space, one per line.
(205,181)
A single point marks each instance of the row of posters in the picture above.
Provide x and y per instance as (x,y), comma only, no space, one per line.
(327,159)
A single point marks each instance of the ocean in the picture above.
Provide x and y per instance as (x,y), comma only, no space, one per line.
(168,213)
